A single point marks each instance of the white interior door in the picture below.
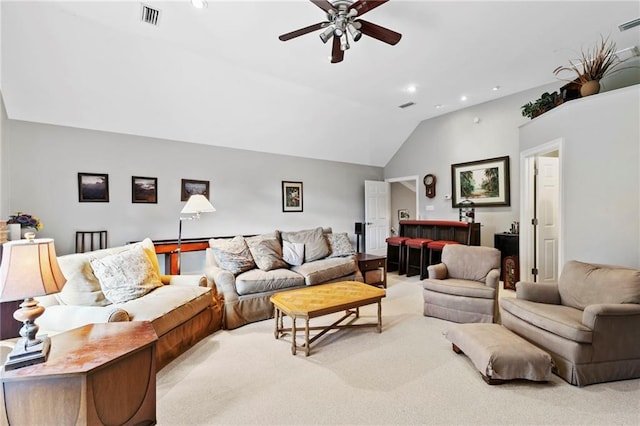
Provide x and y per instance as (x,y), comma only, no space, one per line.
(376,216)
(547,205)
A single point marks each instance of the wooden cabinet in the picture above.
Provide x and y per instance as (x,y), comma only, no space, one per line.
(96,374)
(373,268)
(509,246)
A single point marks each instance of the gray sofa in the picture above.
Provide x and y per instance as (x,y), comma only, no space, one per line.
(247,270)
(183,309)
(589,322)
(463,288)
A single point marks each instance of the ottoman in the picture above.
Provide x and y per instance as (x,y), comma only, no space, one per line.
(499,354)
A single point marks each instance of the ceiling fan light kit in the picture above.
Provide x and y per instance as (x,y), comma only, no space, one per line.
(342,21)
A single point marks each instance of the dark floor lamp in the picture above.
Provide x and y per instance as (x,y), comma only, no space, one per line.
(29,268)
(195,205)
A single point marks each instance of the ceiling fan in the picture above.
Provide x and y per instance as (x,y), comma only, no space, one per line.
(342,18)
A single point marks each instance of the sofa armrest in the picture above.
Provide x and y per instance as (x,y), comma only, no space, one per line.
(437,271)
(615,330)
(224,281)
(66,317)
(493,278)
(538,292)
(188,280)
(594,315)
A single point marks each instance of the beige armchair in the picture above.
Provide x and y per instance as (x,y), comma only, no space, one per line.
(464,286)
(589,322)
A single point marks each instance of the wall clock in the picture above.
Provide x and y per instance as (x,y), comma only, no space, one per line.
(430,185)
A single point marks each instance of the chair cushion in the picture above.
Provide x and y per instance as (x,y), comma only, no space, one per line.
(561,320)
(258,281)
(582,284)
(396,241)
(470,262)
(459,287)
(418,242)
(439,244)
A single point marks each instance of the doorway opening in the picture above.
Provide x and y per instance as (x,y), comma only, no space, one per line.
(404,200)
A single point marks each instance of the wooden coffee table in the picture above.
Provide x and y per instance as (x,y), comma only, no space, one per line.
(324,299)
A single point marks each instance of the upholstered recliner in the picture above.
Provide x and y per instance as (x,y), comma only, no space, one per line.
(589,322)
(464,286)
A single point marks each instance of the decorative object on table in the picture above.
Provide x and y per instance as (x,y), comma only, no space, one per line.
(594,64)
(4,232)
(191,187)
(547,101)
(343,19)
(197,204)
(22,224)
(291,196)
(144,189)
(29,268)
(466,212)
(403,214)
(93,187)
(485,182)
(430,185)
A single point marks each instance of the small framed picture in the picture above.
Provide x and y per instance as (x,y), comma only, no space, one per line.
(144,189)
(403,214)
(93,187)
(191,187)
(291,196)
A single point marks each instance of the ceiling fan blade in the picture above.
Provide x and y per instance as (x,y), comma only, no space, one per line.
(337,54)
(378,32)
(302,31)
(324,5)
(363,6)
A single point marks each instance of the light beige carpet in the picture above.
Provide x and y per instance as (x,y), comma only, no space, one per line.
(408,374)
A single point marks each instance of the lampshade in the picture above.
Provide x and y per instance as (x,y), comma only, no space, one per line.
(29,269)
(197,204)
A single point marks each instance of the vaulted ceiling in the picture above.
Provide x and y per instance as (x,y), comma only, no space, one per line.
(220,76)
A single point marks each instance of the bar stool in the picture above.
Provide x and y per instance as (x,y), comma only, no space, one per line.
(436,246)
(395,254)
(420,267)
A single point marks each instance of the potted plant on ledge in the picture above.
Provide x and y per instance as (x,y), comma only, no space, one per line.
(593,65)
(544,103)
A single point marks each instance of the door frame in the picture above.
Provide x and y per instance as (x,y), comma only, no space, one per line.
(527,205)
(404,179)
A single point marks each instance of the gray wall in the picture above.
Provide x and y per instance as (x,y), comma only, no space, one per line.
(401,198)
(600,166)
(455,138)
(41,163)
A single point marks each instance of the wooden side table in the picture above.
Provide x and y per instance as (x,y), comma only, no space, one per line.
(96,374)
(371,262)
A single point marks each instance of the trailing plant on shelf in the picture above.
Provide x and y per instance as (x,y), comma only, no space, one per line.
(593,65)
(544,103)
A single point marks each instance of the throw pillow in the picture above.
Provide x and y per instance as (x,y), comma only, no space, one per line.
(267,254)
(315,244)
(340,245)
(293,253)
(232,254)
(127,275)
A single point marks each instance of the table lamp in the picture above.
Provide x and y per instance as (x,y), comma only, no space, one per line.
(29,268)
(195,205)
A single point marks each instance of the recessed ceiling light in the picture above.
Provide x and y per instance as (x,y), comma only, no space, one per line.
(439,106)
(199,4)
(411,88)
(495,88)
(463,98)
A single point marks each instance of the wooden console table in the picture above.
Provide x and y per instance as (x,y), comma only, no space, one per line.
(96,374)
(170,249)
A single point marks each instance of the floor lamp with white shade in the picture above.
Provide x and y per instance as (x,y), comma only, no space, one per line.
(195,205)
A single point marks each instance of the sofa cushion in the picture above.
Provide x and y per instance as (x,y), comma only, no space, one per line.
(561,320)
(232,254)
(320,271)
(293,253)
(340,245)
(267,254)
(169,306)
(82,286)
(127,275)
(459,287)
(258,281)
(583,284)
(315,243)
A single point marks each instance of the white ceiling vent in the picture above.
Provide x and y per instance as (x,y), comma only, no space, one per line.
(407,105)
(150,15)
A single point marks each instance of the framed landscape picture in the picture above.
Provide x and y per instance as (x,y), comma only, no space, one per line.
(291,196)
(484,182)
(191,187)
(144,189)
(93,187)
